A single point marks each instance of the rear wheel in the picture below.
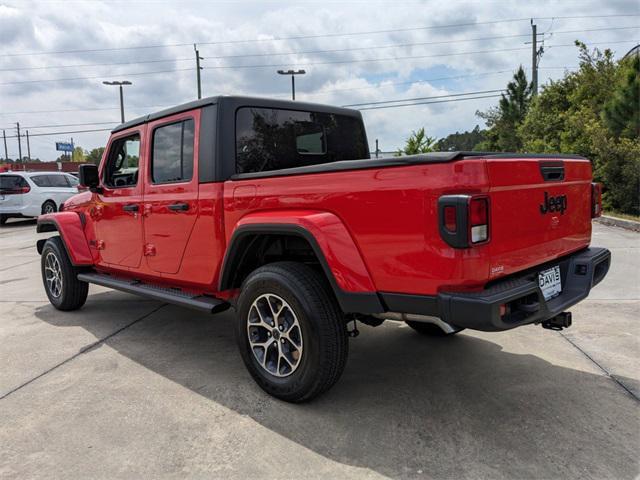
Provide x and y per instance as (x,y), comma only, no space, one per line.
(291,331)
(59,276)
(49,207)
(432,329)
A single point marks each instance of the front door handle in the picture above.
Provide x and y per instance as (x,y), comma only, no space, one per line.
(179,207)
(131,208)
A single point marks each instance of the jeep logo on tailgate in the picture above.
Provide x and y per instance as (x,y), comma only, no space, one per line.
(553,204)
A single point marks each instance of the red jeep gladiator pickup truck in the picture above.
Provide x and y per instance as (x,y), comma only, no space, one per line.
(276,209)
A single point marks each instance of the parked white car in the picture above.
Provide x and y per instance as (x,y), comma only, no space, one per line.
(29,194)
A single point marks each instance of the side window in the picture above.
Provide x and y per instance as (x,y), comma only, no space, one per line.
(73,181)
(172,157)
(41,180)
(58,181)
(122,165)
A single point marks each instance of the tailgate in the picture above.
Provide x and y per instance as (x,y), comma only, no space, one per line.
(540,210)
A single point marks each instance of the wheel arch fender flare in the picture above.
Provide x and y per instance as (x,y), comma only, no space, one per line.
(70,226)
(332,244)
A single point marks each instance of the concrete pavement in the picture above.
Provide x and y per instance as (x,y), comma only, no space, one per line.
(128,388)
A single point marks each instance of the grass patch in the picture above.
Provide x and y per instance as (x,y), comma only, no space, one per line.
(624,216)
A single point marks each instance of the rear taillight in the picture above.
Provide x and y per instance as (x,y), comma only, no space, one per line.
(479,219)
(464,220)
(15,191)
(596,200)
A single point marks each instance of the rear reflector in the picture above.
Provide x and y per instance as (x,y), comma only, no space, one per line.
(596,200)
(450,218)
(15,191)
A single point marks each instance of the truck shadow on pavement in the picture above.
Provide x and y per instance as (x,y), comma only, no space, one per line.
(406,405)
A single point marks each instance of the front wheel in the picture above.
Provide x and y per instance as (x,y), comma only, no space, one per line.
(59,276)
(291,331)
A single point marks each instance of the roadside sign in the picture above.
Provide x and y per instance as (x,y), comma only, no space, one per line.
(64,147)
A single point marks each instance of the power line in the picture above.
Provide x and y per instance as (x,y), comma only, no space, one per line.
(80,110)
(384,59)
(401,45)
(65,133)
(304,52)
(423,98)
(426,103)
(325,35)
(48,67)
(95,76)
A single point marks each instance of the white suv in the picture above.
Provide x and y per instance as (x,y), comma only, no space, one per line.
(29,194)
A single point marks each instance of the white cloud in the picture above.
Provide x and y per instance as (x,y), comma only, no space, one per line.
(75,25)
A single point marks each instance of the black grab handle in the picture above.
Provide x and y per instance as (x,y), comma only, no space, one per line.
(179,207)
(131,208)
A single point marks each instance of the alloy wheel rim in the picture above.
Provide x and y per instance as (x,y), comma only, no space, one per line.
(53,274)
(274,334)
(48,208)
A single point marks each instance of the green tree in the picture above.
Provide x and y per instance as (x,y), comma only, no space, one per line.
(77,155)
(622,112)
(418,142)
(503,121)
(94,156)
(461,141)
(585,113)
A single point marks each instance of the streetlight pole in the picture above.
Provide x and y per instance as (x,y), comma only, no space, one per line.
(120,84)
(293,73)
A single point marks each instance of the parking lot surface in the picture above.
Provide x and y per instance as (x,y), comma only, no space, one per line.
(129,388)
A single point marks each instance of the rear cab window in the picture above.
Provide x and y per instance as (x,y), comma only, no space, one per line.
(273,139)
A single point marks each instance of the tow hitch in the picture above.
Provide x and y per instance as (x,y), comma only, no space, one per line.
(560,321)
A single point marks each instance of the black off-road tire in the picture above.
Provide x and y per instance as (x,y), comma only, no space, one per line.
(431,330)
(49,207)
(71,293)
(325,343)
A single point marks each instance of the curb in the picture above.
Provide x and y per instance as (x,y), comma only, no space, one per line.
(619,222)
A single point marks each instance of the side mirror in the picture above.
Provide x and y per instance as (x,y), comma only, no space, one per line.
(88,177)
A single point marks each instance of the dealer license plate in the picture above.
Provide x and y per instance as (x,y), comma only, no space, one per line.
(550,282)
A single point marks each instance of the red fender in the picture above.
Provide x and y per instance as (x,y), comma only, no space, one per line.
(335,242)
(71,229)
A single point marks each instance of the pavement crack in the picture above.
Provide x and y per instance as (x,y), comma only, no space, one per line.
(604,370)
(85,349)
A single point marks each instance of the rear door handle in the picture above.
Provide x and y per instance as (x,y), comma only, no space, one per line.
(179,207)
(131,208)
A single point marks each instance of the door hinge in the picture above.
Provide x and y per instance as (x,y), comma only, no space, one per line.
(97,244)
(149,250)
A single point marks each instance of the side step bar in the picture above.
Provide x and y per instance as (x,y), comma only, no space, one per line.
(165,294)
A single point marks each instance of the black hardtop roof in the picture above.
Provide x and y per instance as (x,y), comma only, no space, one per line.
(237,100)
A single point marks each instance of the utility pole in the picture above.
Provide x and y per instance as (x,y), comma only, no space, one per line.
(19,142)
(534,58)
(198,68)
(28,147)
(6,152)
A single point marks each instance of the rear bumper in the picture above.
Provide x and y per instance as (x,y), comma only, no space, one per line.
(520,295)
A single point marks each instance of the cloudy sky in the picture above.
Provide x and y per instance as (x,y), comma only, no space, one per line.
(54,56)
